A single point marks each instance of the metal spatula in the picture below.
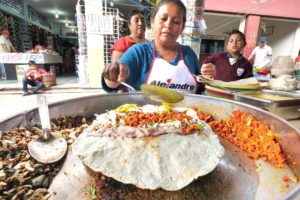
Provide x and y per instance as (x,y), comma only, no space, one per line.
(48,148)
(161,94)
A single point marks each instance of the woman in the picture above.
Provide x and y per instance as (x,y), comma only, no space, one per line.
(230,65)
(137,27)
(161,62)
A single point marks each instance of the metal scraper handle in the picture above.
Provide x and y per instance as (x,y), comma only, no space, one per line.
(44,115)
(128,86)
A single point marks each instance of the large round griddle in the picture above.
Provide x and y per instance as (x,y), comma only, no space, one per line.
(235,177)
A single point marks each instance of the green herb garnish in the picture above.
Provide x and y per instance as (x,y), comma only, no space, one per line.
(92,191)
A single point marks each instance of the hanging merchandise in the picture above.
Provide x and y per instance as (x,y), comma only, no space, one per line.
(25,38)
(195,25)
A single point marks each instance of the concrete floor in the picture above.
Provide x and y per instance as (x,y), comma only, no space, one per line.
(12,101)
(66,81)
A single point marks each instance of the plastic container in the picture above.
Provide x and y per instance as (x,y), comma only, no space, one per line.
(282,65)
(297,68)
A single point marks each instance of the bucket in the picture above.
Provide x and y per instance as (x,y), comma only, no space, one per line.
(48,80)
(282,65)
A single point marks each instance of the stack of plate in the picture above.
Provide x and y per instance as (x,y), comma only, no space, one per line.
(227,91)
(219,92)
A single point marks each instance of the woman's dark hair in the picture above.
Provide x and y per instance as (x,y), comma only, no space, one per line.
(235,31)
(177,2)
(134,12)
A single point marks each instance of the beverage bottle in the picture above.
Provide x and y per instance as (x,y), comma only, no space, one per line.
(297,68)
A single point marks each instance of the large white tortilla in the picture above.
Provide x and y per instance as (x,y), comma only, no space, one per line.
(170,161)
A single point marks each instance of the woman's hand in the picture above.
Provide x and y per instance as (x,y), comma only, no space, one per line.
(208,70)
(115,73)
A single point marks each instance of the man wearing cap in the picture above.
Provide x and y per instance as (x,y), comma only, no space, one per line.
(5,47)
(262,56)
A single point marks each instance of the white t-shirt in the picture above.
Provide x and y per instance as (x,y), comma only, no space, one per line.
(6,42)
(261,54)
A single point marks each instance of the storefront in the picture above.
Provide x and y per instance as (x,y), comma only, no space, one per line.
(35,37)
(277,20)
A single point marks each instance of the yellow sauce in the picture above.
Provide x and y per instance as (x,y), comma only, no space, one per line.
(270,97)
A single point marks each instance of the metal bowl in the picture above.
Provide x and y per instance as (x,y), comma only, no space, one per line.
(236,177)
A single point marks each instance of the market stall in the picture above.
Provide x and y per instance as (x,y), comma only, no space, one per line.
(13,60)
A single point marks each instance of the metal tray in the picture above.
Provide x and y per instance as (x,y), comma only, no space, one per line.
(275,98)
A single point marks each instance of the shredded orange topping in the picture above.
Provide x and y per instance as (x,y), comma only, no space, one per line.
(133,118)
(242,129)
(250,135)
(203,116)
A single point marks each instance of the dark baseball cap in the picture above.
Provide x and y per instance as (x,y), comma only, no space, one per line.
(263,39)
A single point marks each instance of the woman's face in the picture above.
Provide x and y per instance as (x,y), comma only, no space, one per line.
(168,24)
(235,44)
(137,25)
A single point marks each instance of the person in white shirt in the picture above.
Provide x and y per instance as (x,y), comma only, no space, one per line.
(262,55)
(5,47)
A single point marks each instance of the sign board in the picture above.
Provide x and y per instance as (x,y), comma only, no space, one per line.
(24,58)
(99,24)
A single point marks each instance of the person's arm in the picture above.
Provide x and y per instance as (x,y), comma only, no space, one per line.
(114,74)
(252,55)
(270,57)
(270,54)
(42,71)
(134,60)
(4,47)
(13,49)
(116,55)
(118,49)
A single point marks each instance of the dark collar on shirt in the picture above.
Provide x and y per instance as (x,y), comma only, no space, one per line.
(230,56)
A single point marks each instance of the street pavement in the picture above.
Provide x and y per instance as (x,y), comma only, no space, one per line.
(13,102)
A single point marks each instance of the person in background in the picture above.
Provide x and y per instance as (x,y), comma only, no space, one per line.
(262,55)
(33,77)
(230,65)
(39,48)
(161,62)
(5,47)
(69,59)
(137,27)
